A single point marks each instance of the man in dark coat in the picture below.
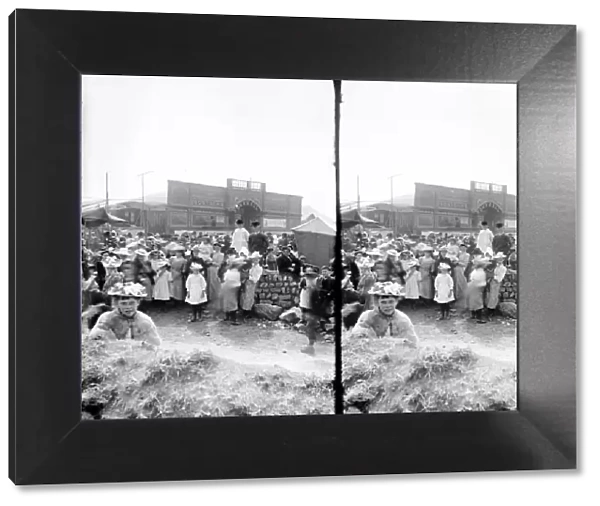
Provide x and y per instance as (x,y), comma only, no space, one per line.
(257,240)
(285,263)
(501,242)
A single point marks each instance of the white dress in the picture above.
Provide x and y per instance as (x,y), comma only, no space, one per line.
(239,239)
(443,288)
(162,289)
(413,276)
(196,288)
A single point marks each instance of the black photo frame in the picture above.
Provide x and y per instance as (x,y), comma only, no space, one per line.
(49,52)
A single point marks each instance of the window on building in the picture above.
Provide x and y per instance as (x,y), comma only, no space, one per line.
(255,186)
(464,221)
(497,188)
(482,186)
(236,183)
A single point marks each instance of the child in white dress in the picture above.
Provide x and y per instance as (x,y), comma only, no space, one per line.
(444,290)
(196,291)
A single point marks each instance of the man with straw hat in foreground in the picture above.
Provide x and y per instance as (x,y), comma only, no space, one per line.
(385,320)
(125,321)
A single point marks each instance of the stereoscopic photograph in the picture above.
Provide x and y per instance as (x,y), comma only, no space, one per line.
(428,183)
(208,234)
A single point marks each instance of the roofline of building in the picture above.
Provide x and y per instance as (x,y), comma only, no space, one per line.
(226,188)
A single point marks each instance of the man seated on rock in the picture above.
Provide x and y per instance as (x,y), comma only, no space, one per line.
(385,320)
(125,321)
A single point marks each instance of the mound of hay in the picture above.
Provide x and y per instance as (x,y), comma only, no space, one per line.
(383,376)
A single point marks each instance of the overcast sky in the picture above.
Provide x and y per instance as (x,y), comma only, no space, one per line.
(446,134)
(279,132)
(207,130)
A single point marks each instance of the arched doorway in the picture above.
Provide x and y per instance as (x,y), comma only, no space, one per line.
(248,211)
(491,212)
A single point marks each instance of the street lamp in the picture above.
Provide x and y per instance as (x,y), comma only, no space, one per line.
(143,212)
(392,212)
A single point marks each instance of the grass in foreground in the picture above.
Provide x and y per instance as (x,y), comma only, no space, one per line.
(383,376)
(123,380)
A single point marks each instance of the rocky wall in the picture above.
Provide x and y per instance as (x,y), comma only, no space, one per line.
(509,288)
(278,289)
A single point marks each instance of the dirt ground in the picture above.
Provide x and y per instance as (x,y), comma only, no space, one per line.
(255,342)
(496,339)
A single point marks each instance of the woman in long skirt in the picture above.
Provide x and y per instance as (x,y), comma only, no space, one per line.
(178,263)
(460,281)
(475,290)
(247,296)
(493,294)
(427,263)
(413,277)
(161,282)
(230,291)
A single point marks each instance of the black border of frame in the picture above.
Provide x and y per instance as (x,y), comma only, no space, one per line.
(49,50)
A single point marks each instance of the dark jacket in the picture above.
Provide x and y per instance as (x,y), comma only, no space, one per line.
(502,243)
(284,264)
(257,241)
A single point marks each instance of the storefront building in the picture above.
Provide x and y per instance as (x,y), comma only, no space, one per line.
(193,206)
(443,209)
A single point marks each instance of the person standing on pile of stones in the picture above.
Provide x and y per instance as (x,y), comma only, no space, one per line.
(257,241)
(501,242)
(285,263)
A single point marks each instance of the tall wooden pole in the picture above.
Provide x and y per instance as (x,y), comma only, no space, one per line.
(106,188)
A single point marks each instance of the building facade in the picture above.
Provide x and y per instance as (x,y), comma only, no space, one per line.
(193,206)
(443,209)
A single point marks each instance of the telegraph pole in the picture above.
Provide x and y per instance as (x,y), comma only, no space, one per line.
(106,188)
(392,210)
(143,211)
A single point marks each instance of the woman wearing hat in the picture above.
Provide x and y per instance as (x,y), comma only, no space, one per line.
(476,289)
(385,320)
(459,278)
(177,267)
(161,291)
(248,291)
(412,278)
(493,293)
(125,321)
(427,268)
(230,290)
(113,276)
(213,280)
(366,282)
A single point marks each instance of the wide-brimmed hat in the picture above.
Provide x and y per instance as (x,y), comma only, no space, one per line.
(112,262)
(444,267)
(127,290)
(254,255)
(196,265)
(499,256)
(374,253)
(141,252)
(428,248)
(311,272)
(161,262)
(388,288)
(393,253)
(481,262)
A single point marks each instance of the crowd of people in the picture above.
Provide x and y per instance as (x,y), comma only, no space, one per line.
(463,271)
(218,275)
(211,273)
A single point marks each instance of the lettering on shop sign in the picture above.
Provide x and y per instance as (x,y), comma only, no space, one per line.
(452,204)
(195,201)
